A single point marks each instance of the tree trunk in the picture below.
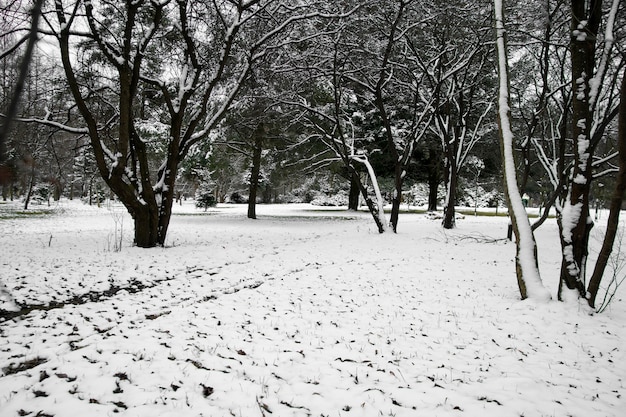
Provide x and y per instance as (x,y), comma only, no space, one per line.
(433,186)
(376,209)
(526,264)
(90,191)
(525,151)
(355,192)
(397,196)
(31,184)
(164,209)
(449,220)
(576,222)
(254,177)
(146,227)
(72,186)
(373,208)
(615,206)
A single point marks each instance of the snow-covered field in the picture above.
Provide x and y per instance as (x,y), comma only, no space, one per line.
(303,312)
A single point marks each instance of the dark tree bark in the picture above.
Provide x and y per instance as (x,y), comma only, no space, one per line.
(254,175)
(31,184)
(372,207)
(433,180)
(615,206)
(452,175)
(121,154)
(576,223)
(379,101)
(449,215)
(354,193)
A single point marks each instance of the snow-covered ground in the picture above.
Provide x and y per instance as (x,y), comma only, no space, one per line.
(306,311)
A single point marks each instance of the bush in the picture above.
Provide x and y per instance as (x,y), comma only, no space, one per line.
(237,198)
(338,199)
(41,194)
(205,200)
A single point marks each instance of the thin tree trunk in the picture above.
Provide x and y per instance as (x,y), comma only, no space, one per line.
(449,216)
(526,264)
(31,184)
(433,187)
(526,170)
(372,207)
(397,196)
(254,177)
(376,209)
(615,206)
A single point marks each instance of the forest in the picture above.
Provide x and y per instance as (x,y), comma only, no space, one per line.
(312,208)
(151,102)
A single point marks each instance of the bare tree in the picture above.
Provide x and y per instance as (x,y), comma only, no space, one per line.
(30,38)
(459,73)
(526,264)
(211,46)
(568,98)
(323,90)
(594,106)
(615,207)
(387,71)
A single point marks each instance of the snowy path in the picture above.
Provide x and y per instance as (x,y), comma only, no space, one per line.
(299,317)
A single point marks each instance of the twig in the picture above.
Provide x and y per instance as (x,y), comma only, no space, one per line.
(480,238)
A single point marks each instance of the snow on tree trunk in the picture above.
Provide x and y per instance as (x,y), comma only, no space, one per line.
(527,269)
(254,176)
(379,212)
(576,223)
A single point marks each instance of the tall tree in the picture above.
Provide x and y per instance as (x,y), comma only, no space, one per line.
(211,51)
(459,73)
(615,206)
(526,264)
(386,71)
(12,25)
(593,108)
(325,93)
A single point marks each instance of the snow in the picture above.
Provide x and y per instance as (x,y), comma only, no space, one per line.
(379,198)
(580,90)
(306,311)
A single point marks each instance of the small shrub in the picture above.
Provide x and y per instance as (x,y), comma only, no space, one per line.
(41,193)
(237,198)
(205,200)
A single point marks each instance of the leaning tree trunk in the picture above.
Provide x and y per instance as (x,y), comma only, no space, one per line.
(376,209)
(31,184)
(526,264)
(616,203)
